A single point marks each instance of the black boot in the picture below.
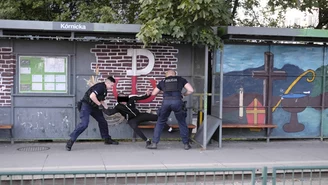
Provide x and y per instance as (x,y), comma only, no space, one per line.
(148,142)
(109,141)
(69,145)
(152,146)
(187,146)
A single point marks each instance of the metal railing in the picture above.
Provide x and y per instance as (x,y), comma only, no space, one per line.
(228,176)
(300,175)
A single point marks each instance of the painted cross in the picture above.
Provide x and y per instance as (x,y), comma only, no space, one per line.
(255,113)
(268,74)
(134,72)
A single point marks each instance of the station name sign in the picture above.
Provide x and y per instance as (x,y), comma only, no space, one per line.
(73,26)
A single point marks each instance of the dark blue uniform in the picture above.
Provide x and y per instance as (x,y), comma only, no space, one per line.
(90,108)
(172,101)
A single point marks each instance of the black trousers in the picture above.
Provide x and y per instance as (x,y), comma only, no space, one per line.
(142,117)
(86,111)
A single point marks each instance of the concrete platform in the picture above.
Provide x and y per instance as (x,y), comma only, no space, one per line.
(169,155)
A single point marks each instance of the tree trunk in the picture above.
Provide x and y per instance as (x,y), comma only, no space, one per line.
(323,14)
(234,11)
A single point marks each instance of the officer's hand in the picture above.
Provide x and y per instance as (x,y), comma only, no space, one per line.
(148,92)
(101,107)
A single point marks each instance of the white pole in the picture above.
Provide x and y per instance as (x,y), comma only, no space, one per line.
(205,98)
(221,97)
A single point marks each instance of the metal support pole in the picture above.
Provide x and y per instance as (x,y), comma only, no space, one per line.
(13,90)
(191,97)
(221,97)
(323,94)
(72,63)
(12,115)
(205,98)
(72,36)
(264,175)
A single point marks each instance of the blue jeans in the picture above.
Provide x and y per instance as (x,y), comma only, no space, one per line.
(85,113)
(167,107)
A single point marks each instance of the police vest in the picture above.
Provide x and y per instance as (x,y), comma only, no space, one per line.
(100,97)
(171,87)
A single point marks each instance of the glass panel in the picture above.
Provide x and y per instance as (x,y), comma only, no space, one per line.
(42,74)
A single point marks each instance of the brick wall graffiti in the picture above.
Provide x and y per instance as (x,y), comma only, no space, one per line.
(113,59)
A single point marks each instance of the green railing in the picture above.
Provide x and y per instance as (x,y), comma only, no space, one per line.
(228,176)
(302,175)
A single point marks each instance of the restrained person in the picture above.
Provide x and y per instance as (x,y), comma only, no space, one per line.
(126,106)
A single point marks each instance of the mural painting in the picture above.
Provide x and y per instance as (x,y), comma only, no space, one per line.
(277,84)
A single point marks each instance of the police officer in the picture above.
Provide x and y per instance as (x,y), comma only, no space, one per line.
(172,86)
(92,104)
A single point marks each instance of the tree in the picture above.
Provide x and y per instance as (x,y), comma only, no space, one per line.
(272,14)
(253,13)
(26,10)
(189,21)
(305,5)
(104,11)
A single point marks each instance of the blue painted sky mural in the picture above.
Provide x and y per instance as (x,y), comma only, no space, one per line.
(296,85)
(241,57)
(304,57)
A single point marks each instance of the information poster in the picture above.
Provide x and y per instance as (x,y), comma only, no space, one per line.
(42,74)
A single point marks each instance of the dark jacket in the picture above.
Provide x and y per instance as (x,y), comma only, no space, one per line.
(129,110)
(99,89)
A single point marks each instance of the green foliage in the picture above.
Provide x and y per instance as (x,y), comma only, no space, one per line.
(104,11)
(304,5)
(189,21)
(25,10)
(256,14)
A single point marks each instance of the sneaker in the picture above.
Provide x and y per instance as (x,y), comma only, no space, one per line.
(152,146)
(69,145)
(148,142)
(109,141)
(187,146)
(170,130)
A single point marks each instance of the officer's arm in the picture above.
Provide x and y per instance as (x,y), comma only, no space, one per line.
(110,112)
(93,97)
(104,104)
(155,91)
(189,89)
(145,96)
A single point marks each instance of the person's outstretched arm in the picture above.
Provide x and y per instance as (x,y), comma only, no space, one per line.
(142,97)
(155,91)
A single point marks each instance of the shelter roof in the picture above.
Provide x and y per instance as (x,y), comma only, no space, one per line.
(105,31)
(67,30)
(273,34)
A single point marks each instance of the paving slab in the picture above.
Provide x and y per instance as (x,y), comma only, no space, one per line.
(88,156)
